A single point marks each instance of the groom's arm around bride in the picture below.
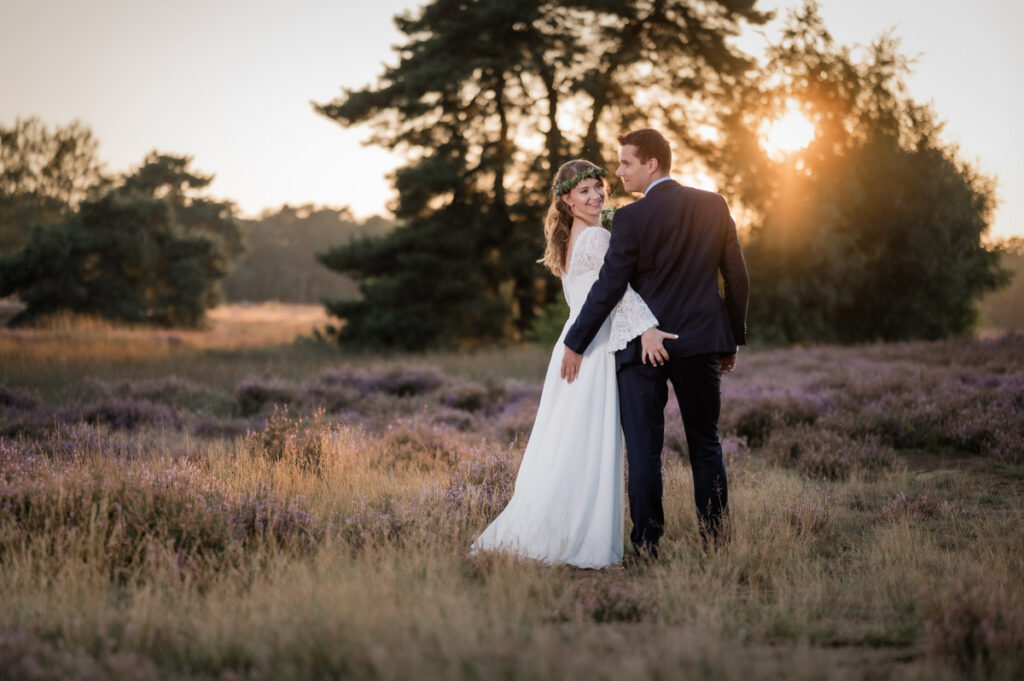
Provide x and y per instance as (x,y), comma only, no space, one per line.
(670,245)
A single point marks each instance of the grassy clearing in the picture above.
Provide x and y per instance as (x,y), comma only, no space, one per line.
(222,507)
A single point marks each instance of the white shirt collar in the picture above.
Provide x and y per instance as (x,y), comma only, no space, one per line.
(663,178)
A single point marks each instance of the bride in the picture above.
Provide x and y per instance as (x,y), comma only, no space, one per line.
(567,506)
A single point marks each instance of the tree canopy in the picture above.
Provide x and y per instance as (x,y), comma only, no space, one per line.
(44,172)
(489,97)
(874,230)
(151,249)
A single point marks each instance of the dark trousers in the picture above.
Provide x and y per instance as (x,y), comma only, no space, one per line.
(643,392)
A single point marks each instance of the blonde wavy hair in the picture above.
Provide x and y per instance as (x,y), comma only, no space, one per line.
(558,224)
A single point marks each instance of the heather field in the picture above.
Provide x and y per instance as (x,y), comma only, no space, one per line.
(234,504)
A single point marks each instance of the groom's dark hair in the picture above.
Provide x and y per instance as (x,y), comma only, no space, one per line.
(650,143)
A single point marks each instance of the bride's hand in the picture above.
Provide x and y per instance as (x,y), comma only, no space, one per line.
(652,342)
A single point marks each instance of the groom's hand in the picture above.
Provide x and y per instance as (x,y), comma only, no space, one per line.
(571,364)
(727,363)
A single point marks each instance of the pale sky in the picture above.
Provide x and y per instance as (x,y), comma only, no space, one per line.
(230,83)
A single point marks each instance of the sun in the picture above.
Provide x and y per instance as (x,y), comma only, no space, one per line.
(787,134)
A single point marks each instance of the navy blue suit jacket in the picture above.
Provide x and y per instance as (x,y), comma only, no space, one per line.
(670,246)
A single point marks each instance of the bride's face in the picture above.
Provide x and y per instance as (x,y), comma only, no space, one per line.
(586,200)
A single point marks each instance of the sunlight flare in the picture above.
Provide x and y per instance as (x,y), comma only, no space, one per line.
(789,133)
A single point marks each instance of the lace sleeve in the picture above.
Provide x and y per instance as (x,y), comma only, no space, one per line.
(630,318)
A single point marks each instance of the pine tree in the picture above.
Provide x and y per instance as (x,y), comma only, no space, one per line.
(44,173)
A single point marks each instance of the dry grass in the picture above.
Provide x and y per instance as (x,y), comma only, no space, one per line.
(269,339)
(330,540)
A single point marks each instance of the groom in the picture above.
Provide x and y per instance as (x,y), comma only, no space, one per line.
(670,245)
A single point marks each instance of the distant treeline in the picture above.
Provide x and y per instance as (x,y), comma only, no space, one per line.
(1004,309)
(280,261)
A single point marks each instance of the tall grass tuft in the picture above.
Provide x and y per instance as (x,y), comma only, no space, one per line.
(977,620)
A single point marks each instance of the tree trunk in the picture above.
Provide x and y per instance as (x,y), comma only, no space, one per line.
(502,159)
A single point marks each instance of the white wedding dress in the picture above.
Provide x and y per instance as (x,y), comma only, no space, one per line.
(567,506)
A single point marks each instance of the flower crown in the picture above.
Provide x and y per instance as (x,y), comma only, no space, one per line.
(566,186)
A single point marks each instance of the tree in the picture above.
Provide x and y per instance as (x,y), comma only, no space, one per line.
(149,250)
(873,232)
(478,103)
(43,174)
